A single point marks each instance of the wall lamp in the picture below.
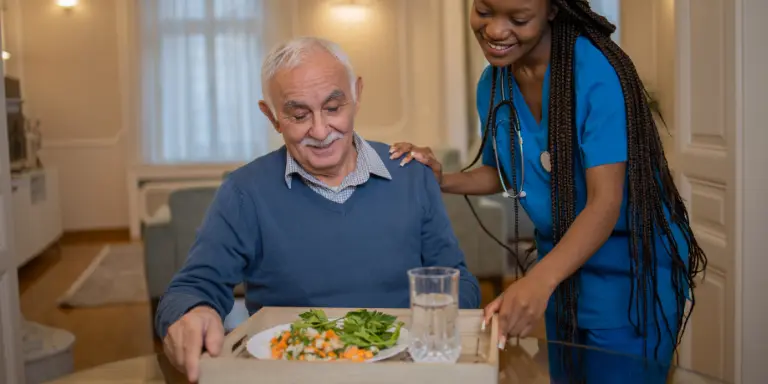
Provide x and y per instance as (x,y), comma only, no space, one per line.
(350,10)
(66,3)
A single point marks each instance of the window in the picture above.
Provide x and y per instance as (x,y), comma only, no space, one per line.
(611,9)
(200,81)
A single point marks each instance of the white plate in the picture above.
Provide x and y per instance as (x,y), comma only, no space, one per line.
(258,345)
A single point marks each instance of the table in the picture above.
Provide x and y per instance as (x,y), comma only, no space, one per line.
(523,361)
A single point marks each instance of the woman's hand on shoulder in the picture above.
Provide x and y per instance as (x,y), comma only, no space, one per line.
(423,155)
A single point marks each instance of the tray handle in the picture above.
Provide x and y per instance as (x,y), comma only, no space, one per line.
(493,345)
(238,341)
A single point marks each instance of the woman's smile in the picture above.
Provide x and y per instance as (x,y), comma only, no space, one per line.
(499,49)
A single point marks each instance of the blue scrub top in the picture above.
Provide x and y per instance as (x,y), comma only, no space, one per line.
(605,282)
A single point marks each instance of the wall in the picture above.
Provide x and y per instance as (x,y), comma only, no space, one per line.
(11,37)
(755,186)
(476,65)
(73,68)
(11,342)
(68,64)
(404,76)
(648,36)
(664,86)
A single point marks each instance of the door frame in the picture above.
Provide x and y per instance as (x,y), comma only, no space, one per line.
(683,113)
(739,180)
(751,87)
(752,216)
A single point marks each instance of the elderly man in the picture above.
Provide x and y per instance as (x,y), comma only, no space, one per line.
(328,220)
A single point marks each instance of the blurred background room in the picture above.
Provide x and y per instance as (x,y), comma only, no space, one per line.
(124,115)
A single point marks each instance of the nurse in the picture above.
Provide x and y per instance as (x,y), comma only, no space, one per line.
(567,131)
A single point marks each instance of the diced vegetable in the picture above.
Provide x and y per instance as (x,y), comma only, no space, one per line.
(358,336)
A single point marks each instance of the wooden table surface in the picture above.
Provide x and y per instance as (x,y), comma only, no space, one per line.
(526,358)
(523,361)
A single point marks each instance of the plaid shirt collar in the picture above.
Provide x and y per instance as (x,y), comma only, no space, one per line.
(368,163)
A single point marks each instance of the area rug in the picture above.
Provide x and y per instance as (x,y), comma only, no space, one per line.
(116,276)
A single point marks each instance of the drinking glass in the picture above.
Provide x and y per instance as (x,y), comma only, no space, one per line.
(434,327)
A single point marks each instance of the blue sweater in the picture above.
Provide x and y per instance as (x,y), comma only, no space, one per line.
(293,247)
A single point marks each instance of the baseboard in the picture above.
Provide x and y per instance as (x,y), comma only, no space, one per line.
(116,235)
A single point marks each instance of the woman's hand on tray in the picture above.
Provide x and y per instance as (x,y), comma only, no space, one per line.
(520,308)
(184,342)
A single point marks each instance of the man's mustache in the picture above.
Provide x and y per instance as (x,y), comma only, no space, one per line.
(333,136)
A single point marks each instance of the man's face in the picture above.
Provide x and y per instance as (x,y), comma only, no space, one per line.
(314,112)
(509,29)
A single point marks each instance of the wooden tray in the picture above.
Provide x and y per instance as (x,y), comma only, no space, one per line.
(479,362)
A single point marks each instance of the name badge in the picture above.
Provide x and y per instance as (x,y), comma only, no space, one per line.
(546,161)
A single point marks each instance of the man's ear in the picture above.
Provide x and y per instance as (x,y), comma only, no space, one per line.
(268,113)
(358,92)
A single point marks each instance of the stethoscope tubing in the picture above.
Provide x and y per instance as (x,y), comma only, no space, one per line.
(507,101)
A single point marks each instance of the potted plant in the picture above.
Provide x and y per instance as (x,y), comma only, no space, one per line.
(655,106)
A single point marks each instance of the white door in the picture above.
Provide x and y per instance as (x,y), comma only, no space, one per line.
(11,354)
(706,173)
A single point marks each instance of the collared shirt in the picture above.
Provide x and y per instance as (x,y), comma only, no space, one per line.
(368,163)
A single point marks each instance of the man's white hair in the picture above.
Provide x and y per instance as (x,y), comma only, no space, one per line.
(293,53)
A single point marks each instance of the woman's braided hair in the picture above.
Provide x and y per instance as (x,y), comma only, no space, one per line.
(650,184)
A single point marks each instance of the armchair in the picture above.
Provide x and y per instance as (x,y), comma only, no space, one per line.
(167,240)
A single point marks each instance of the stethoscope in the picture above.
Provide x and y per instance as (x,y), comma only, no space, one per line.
(505,100)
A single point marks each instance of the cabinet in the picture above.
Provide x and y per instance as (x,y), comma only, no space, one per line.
(36,212)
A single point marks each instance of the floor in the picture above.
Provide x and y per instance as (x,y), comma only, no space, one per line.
(105,334)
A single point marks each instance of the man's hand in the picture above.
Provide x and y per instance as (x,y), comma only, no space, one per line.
(185,339)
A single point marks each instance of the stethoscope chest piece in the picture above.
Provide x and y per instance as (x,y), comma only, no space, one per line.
(546,161)
(507,195)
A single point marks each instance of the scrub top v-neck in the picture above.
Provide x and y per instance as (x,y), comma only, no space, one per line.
(601,138)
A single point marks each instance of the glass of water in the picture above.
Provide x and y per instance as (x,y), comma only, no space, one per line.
(434,329)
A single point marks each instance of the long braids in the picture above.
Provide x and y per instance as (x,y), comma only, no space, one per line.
(651,187)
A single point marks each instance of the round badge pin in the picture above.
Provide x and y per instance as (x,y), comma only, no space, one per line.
(545,161)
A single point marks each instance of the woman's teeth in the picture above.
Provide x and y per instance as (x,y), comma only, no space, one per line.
(499,47)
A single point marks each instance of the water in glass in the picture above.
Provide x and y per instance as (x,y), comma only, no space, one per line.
(434,315)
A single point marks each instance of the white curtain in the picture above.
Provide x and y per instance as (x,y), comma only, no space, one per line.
(200,81)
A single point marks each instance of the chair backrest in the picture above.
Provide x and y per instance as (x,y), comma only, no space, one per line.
(450,158)
(188,208)
(483,256)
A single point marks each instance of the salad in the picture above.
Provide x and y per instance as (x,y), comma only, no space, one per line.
(358,336)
